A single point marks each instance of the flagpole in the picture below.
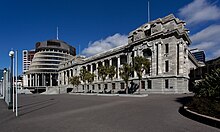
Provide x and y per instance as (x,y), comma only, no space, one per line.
(13,82)
(148,8)
(16,66)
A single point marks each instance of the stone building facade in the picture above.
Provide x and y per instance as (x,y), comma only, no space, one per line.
(163,41)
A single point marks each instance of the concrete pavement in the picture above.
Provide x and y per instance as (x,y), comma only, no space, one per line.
(76,113)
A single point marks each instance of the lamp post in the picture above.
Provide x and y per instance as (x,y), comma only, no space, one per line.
(4,83)
(10,106)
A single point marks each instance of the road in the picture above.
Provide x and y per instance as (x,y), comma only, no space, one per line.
(75,113)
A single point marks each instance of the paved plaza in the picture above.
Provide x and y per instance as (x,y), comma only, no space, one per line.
(77,113)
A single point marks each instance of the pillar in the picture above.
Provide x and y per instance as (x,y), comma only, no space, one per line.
(135,54)
(160,66)
(51,81)
(119,64)
(97,76)
(35,81)
(181,58)
(30,78)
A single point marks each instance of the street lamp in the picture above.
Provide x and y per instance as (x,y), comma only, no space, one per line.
(10,106)
(4,83)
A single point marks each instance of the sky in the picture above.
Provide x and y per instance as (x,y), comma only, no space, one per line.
(99,25)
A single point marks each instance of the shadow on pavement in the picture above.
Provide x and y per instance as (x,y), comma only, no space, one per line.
(36,109)
(35,103)
(184,100)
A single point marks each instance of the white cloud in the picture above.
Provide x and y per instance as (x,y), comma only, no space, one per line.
(216,53)
(106,44)
(199,11)
(208,34)
(204,46)
(208,39)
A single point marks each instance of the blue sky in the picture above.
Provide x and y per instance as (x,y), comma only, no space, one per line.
(98,25)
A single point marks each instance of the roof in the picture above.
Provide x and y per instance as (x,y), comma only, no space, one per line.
(55,44)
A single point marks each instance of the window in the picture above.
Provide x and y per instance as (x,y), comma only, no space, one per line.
(99,86)
(149,84)
(177,59)
(51,43)
(93,87)
(166,66)
(167,83)
(166,48)
(122,86)
(87,87)
(83,87)
(142,84)
(113,85)
(147,52)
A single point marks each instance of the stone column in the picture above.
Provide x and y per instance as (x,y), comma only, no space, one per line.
(35,81)
(160,66)
(110,63)
(129,58)
(97,77)
(135,54)
(50,79)
(119,64)
(181,58)
(30,80)
(91,68)
(62,78)
(70,72)
(73,72)
(67,74)
(187,63)
(42,79)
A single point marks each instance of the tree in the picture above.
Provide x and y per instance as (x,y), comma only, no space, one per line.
(102,72)
(210,86)
(140,64)
(86,76)
(111,72)
(125,73)
(75,81)
(90,77)
(82,74)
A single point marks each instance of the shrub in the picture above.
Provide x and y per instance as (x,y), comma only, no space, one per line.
(206,106)
(209,86)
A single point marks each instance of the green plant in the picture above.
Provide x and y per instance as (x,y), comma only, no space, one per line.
(75,81)
(111,72)
(102,72)
(140,64)
(206,106)
(209,86)
(82,74)
(90,77)
(125,73)
(86,76)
